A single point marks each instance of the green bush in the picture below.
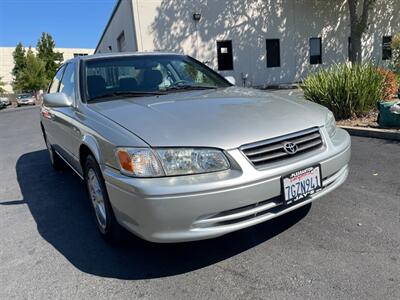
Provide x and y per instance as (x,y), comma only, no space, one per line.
(347,91)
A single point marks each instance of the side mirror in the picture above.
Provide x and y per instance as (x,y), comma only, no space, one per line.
(231,79)
(56,100)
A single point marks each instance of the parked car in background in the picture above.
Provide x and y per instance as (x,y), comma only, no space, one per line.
(2,105)
(172,151)
(5,100)
(25,99)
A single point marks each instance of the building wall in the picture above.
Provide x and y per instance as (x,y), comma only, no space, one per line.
(120,21)
(168,25)
(7,61)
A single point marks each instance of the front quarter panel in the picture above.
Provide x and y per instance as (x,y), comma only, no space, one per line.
(102,135)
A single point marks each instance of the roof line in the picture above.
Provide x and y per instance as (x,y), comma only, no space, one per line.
(108,24)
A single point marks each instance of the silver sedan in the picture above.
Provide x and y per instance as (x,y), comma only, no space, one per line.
(172,151)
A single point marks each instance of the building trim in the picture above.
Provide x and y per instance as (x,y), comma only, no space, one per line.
(135,27)
(108,24)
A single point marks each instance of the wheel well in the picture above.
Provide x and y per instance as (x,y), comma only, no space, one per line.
(84,152)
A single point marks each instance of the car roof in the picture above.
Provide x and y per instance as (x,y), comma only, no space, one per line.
(120,54)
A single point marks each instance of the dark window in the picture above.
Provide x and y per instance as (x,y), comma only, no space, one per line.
(273,53)
(386,47)
(53,88)
(224,55)
(315,51)
(80,54)
(121,42)
(67,85)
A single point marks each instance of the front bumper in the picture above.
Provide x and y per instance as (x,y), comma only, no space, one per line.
(26,103)
(186,208)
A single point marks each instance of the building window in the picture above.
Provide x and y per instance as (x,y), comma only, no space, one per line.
(273,53)
(80,54)
(386,48)
(224,55)
(315,51)
(121,42)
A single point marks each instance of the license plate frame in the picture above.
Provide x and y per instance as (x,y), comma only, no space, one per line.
(313,170)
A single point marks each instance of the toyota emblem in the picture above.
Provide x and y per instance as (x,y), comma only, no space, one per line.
(290,148)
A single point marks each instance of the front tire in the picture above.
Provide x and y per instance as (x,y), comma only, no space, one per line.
(106,222)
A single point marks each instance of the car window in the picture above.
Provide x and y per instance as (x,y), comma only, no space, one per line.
(191,73)
(56,81)
(67,85)
(147,74)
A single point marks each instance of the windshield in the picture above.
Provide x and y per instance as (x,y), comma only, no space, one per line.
(108,78)
(23,96)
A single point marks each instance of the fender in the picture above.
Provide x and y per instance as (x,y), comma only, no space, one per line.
(90,142)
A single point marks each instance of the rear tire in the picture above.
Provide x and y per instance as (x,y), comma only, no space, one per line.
(105,219)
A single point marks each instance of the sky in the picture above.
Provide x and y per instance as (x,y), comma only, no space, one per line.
(72,23)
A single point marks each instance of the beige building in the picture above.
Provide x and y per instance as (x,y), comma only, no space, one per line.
(7,61)
(272,41)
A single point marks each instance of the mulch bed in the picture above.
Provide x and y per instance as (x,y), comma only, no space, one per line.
(370,120)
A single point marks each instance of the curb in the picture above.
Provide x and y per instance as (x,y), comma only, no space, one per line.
(387,134)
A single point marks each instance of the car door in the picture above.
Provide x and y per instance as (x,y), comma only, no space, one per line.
(48,114)
(68,132)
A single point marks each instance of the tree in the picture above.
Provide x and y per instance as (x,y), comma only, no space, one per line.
(359,15)
(19,64)
(33,76)
(2,83)
(51,59)
(395,45)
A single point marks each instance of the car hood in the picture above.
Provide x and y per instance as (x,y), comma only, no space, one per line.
(223,118)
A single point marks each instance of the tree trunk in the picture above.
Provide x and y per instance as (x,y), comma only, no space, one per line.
(359,13)
(355,48)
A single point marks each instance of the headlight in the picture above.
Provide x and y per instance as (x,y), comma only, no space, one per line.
(170,162)
(181,161)
(330,124)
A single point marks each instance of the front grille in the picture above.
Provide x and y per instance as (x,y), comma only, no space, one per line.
(272,150)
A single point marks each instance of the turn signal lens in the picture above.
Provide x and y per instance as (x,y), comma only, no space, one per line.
(139,162)
(125,161)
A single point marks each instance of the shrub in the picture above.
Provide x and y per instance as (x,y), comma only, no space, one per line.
(346,90)
(391,85)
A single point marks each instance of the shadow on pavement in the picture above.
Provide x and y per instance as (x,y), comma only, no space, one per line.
(58,203)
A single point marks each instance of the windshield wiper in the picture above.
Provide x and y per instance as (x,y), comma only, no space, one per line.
(190,87)
(127,94)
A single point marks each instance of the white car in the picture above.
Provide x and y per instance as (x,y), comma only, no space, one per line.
(5,100)
(174,152)
(25,99)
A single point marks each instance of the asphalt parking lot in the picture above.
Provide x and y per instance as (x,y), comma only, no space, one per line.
(345,246)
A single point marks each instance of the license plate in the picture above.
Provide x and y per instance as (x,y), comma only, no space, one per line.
(300,184)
